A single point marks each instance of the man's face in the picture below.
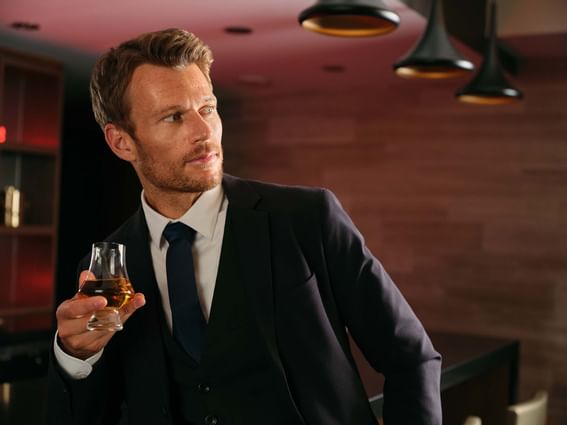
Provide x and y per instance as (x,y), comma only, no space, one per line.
(177,129)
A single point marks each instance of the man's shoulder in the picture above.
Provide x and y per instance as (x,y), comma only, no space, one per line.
(273,192)
(279,198)
(129,228)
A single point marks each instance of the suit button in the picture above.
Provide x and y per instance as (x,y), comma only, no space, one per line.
(203,388)
(211,420)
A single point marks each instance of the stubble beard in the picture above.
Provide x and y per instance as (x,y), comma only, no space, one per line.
(176,180)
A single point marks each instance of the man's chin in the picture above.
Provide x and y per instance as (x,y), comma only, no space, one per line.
(206,182)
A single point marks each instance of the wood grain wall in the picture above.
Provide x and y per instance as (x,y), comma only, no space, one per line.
(466,206)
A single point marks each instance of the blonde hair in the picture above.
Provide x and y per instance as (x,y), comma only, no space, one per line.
(113,71)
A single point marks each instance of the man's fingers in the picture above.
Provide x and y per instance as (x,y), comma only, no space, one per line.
(85,344)
(135,303)
(80,306)
(73,315)
(85,275)
(71,328)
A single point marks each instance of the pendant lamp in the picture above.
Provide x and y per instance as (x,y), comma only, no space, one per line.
(433,56)
(344,18)
(490,86)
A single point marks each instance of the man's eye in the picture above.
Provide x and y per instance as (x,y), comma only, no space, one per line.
(208,110)
(174,117)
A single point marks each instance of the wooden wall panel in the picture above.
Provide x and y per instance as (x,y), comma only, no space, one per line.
(466,206)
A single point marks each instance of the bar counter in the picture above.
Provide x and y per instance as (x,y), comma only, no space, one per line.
(479,377)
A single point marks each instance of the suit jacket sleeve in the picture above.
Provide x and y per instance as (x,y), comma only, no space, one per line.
(381,322)
(94,400)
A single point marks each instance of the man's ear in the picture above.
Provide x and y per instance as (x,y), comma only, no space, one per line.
(120,142)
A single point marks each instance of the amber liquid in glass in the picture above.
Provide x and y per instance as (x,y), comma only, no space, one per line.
(116,291)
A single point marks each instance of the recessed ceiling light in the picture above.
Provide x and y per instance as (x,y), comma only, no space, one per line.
(334,68)
(255,80)
(239,30)
(25,26)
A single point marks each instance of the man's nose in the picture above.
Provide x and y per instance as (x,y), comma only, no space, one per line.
(200,129)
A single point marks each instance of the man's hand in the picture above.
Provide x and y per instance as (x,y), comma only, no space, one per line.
(73,315)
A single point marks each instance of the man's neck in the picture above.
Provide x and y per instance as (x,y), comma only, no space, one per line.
(171,205)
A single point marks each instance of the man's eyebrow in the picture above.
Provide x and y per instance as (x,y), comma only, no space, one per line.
(170,108)
(175,108)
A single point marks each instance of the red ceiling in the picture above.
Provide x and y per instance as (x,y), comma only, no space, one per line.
(278,53)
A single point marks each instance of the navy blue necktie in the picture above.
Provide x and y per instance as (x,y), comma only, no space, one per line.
(189,325)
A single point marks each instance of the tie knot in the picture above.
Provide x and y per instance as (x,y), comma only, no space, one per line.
(178,231)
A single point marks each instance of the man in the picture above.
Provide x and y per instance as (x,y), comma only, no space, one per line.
(281,275)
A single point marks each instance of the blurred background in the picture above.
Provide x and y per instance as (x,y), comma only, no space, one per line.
(465,205)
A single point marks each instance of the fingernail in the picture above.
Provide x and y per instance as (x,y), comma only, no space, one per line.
(140,301)
(99,303)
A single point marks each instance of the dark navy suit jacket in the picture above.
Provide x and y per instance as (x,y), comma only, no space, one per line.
(310,279)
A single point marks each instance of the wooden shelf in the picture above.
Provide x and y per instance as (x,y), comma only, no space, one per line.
(24,311)
(14,147)
(31,94)
(45,231)
(14,319)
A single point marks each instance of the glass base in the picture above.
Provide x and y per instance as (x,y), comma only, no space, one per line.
(107,319)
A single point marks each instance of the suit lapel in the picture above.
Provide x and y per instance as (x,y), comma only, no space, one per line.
(251,227)
(143,328)
(139,260)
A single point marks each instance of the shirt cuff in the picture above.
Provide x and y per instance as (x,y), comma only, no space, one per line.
(74,367)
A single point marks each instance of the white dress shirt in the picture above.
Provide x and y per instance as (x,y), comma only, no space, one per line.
(207,217)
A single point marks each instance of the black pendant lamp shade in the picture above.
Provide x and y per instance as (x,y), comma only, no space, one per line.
(344,18)
(490,86)
(434,56)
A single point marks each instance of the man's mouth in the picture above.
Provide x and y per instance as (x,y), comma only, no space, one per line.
(203,158)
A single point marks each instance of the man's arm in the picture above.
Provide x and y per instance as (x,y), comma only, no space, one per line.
(73,367)
(382,323)
(95,399)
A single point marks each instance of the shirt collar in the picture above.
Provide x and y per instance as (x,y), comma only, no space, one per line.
(202,216)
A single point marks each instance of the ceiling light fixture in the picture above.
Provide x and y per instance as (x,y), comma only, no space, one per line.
(433,56)
(25,26)
(334,68)
(490,86)
(254,80)
(239,30)
(354,18)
